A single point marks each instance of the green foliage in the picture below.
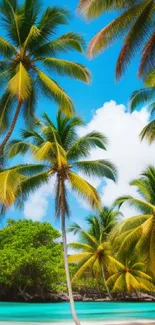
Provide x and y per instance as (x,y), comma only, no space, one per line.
(134,24)
(60,149)
(32,43)
(30,256)
(137,234)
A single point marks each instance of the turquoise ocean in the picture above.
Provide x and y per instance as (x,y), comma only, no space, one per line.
(60,312)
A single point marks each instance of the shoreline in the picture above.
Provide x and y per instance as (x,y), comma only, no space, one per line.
(122,322)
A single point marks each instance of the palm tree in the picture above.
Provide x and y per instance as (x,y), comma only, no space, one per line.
(62,154)
(135,23)
(138,233)
(129,276)
(94,255)
(101,225)
(29,60)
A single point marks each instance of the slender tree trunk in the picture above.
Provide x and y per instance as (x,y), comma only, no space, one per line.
(104,279)
(67,271)
(11,127)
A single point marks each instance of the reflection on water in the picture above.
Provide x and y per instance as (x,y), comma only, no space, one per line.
(22,312)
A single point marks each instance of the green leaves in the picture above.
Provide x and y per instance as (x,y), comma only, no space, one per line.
(71,69)
(6,48)
(82,147)
(51,88)
(10,182)
(84,189)
(21,84)
(100,168)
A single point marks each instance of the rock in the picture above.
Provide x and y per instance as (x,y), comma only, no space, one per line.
(77,297)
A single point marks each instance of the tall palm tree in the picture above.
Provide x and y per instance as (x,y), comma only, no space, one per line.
(135,23)
(94,255)
(62,154)
(129,276)
(29,60)
(138,233)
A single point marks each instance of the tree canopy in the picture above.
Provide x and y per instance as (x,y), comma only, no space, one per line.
(30,255)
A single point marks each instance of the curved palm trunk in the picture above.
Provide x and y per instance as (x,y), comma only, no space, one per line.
(11,127)
(104,279)
(67,271)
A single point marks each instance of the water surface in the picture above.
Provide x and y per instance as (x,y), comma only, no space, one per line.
(60,312)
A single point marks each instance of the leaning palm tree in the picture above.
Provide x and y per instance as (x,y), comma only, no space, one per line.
(29,60)
(135,23)
(62,154)
(93,255)
(130,275)
(138,233)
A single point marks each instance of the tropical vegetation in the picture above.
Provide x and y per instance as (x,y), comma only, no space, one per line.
(110,254)
(60,155)
(137,233)
(134,23)
(29,61)
(31,257)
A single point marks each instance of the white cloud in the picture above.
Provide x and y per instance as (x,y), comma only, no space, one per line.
(36,206)
(124,149)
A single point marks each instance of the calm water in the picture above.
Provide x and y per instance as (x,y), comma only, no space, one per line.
(21,312)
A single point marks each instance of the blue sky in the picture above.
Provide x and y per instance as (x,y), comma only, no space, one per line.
(89,98)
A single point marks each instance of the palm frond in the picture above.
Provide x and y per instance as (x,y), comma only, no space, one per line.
(52,89)
(148,132)
(84,189)
(65,43)
(6,107)
(10,182)
(6,48)
(100,168)
(88,264)
(20,85)
(81,148)
(115,30)
(141,96)
(71,69)
(134,39)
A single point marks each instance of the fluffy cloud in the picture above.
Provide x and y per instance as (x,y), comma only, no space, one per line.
(36,206)
(124,149)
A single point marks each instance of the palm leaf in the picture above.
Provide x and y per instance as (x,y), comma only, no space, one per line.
(134,39)
(6,106)
(97,168)
(148,132)
(141,96)
(84,189)
(21,84)
(82,147)
(71,69)
(88,264)
(116,29)
(10,182)
(6,48)
(66,42)
(51,88)
(76,258)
